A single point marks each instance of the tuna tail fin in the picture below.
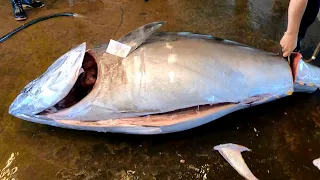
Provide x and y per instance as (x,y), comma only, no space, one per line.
(138,36)
(305,75)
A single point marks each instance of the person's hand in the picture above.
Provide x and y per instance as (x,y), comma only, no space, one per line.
(288,43)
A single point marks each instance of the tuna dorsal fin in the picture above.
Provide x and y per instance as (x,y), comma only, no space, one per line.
(138,36)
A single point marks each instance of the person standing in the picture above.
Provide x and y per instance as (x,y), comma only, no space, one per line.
(301,14)
(18,5)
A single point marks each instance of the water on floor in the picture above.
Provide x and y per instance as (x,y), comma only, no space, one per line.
(284,135)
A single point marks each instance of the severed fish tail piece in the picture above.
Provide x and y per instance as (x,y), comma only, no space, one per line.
(316,162)
(232,153)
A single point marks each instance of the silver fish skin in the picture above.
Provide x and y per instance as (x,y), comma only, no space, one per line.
(169,82)
(52,86)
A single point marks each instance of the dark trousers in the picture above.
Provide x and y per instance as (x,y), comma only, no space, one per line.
(309,17)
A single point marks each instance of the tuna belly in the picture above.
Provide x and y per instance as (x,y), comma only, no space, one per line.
(169,122)
(163,123)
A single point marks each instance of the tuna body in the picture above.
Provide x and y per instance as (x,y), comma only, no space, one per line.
(175,81)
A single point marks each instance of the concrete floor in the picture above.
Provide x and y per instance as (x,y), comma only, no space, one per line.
(288,133)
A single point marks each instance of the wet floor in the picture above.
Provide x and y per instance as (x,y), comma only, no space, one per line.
(287,135)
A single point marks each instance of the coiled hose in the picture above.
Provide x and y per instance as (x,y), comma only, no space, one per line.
(7,36)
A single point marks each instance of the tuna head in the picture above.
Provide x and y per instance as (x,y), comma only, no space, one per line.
(52,86)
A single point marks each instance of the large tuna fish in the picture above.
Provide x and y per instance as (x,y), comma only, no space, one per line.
(169,82)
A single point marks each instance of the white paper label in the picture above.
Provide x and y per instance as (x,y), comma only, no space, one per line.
(118,49)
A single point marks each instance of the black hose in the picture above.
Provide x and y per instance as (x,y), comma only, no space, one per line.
(314,55)
(7,36)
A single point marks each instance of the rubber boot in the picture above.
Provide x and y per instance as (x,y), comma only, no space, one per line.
(18,12)
(32,4)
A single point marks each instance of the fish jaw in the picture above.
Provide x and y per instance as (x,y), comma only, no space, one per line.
(127,129)
(52,86)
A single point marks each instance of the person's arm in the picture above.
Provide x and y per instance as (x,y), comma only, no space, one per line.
(295,13)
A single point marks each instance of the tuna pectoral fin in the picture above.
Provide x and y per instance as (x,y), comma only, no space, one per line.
(135,38)
(232,153)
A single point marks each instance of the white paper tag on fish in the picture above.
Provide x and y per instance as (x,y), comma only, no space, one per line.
(118,49)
